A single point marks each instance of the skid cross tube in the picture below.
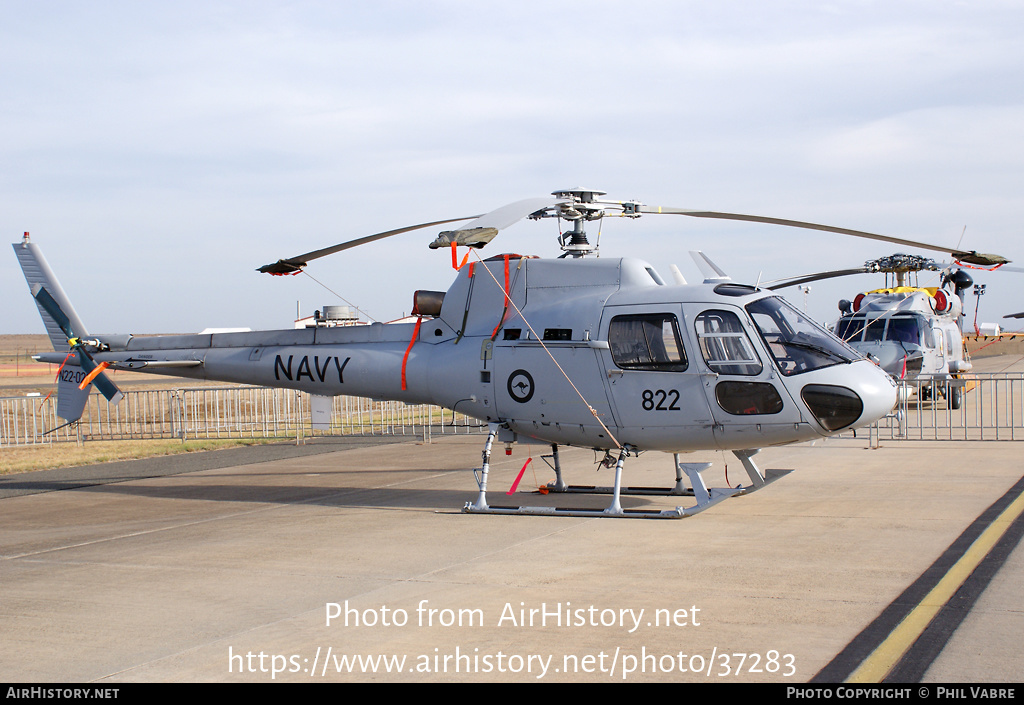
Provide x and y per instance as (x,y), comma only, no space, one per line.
(706,497)
(613,510)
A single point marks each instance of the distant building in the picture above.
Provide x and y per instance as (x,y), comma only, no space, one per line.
(341,316)
(330,316)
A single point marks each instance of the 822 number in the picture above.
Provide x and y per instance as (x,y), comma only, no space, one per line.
(660,400)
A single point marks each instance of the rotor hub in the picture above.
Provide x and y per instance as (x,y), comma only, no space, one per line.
(902,263)
(580,205)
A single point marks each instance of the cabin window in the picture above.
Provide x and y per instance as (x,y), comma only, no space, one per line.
(748,398)
(647,341)
(725,345)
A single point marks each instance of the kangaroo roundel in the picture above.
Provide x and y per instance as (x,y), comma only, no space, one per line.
(520,386)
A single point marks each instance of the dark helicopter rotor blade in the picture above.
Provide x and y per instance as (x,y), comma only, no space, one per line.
(53,308)
(100,380)
(1018,270)
(293,265)
(784,283)
(970,257)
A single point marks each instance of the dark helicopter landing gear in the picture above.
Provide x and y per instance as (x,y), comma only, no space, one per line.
(954,394)
(951,390)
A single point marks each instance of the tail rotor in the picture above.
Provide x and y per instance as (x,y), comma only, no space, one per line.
(80,347)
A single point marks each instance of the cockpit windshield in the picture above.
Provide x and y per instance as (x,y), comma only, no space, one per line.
(905,328)
(797,343)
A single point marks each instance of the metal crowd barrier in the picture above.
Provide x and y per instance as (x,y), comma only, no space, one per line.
(991,408)
(220,412)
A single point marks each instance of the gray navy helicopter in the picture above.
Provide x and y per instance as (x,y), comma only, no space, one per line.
(915,333)
(574,351)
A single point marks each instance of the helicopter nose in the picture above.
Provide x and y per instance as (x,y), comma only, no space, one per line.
(862,399)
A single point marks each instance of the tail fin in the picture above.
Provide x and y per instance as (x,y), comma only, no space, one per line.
(63,324)
(37,271)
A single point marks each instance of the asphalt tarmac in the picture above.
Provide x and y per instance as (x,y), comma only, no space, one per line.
(346,561)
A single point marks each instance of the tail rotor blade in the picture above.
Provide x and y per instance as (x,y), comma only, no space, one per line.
(100,380)
(108,389)
(53,308)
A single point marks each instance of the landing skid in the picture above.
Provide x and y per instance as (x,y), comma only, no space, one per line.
(706,498)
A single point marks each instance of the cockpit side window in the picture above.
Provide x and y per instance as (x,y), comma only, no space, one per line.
(725,345)
(648,341)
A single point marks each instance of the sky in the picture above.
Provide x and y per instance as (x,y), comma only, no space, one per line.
(160,152)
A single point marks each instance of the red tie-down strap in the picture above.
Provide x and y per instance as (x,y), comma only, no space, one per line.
(405,360)
(93,375)
(455,265)
(515,485)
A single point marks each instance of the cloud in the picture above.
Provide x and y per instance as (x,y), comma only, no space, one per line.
(163,152)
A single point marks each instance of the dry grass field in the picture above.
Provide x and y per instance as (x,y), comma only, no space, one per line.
(17,368)
(19,459)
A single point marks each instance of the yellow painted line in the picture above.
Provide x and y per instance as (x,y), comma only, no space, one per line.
(876,666)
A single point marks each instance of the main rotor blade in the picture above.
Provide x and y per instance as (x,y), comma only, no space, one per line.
(970,257)
(486,226)
(783,283)
(293,265)
(53,308)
